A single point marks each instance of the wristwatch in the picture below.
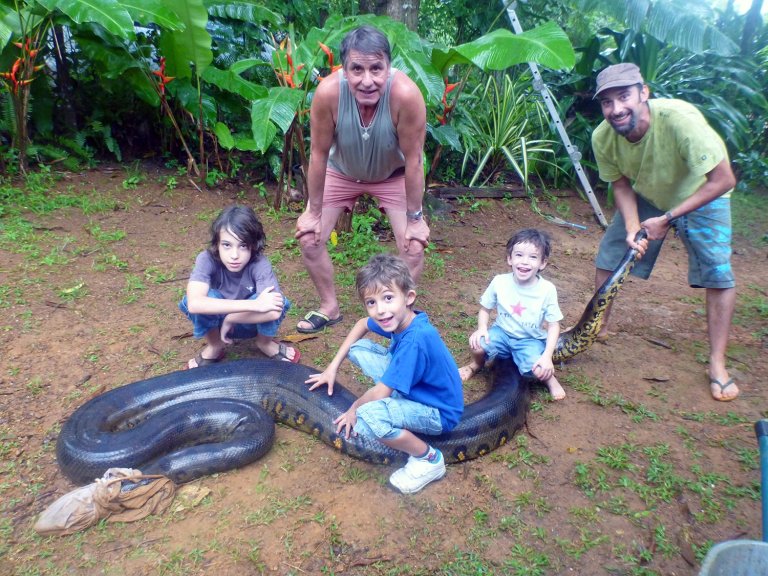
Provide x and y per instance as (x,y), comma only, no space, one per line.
(669,217)
(417,215)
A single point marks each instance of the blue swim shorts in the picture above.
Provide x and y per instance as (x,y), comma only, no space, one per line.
(705,232)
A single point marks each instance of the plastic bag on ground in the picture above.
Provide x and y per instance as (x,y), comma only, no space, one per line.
(121,495)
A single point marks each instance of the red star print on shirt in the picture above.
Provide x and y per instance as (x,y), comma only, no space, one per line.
(518,308)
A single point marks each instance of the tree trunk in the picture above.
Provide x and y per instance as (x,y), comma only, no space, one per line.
(752,24)
(405,11)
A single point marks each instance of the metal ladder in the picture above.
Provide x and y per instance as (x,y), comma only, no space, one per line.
(573,153)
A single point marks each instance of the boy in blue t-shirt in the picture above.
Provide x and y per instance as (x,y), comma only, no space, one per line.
(417,388)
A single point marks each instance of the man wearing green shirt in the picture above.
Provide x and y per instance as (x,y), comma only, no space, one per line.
(668,168)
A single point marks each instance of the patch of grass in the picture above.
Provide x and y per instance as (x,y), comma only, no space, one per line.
(522,456)
(748,208)
(354,475)
(276,508)
(526,561)
(434,264)
(587,541)
(10,296)
(636,411)
(466,564)
(352,250)
(752,310)
(727,419)
(105,261)
(134,289)
(35,385)
(617,457)
(72,293)
(104,237)
(158,276)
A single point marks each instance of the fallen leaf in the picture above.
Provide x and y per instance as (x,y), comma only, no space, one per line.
(296,337)
(189,496)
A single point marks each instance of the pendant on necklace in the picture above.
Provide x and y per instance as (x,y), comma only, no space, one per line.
(366,135)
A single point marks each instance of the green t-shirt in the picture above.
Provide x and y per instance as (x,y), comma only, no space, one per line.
(670,162)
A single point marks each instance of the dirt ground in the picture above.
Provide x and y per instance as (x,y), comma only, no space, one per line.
(97,310)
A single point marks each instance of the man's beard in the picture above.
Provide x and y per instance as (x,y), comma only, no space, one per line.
(626,129)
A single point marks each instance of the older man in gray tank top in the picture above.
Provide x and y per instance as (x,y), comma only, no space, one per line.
(367,128)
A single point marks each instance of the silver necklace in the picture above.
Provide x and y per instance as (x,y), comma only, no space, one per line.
(365,128)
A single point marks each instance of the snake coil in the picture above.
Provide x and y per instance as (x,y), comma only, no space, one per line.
(192,423)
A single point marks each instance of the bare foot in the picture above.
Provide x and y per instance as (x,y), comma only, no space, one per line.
(604,336)
(555,390)
(466,372)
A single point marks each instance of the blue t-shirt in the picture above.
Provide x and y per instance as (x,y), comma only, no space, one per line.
(423,370)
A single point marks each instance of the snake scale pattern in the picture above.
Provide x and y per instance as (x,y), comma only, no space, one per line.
(192,423)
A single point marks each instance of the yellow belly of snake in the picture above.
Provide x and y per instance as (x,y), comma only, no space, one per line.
(585,332)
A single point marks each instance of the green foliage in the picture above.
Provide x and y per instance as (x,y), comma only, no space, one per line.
(507,123)
(466,564)
(675,22)
(354,249)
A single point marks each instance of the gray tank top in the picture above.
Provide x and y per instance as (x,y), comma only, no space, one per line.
(368,154)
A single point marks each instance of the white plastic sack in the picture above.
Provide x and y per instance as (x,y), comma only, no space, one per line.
(85,506)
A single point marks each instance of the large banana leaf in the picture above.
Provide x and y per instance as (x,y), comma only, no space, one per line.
(419,68)
(244,11)
(446,136)
(185,91)
(233,82)
(682,24)
(224,136)
(547,45)
(108,13)
(189,46)
(152,12)
(116,16)
(277,110)
(9,21)
(684,29)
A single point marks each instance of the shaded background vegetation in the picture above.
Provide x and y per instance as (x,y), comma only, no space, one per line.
(222,88)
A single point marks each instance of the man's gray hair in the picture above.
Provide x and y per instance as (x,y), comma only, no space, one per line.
(366,40)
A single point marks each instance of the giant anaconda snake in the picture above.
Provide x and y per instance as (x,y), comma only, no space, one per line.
(191,423)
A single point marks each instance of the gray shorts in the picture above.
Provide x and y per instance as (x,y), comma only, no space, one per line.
(705,232)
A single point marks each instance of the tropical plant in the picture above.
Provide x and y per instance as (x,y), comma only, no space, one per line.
(425,63)
(507,123)
(679,23)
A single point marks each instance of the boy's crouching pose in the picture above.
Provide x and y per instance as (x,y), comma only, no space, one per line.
(417,388)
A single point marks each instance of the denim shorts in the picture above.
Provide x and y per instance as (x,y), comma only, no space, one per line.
(705,232)
(523,351)
(387,418)
(203,323)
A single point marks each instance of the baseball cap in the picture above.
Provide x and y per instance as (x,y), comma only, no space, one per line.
(624,74)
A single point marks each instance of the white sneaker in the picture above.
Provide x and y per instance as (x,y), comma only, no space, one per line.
(417,473)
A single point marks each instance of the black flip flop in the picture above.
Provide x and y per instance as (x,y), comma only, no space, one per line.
(319,322)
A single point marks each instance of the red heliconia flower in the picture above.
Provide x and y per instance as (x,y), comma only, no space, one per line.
(163,79)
